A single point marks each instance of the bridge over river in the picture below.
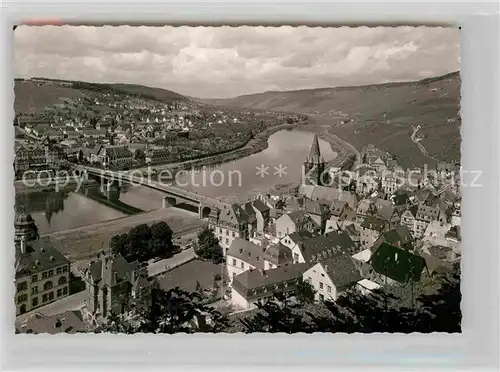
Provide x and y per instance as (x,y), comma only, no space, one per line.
(173,195)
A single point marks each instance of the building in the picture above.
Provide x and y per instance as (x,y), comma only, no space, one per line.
(392,181)
(332,276)
(230,223)
(253,286)
(109,281)
(315,162)
(392,264)
(323,246)
(243,255)
(259,216)
(418,218)
(114,156)
(277,255)
(317,211)
(35,157)
(295,221)
(42,272)
(399,236)
(371,229)
(158,155)
(70,322)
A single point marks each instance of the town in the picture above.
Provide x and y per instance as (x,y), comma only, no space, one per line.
(358,224)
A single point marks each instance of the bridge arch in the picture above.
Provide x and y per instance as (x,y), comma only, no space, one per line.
(169,201)
(205,211)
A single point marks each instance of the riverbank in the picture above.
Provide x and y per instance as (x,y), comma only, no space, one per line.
(255,145)
(83,242)
(47,185)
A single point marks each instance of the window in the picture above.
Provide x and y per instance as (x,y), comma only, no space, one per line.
(320,285)
(34,289)
(22,298)
(44,275)
(295,257)
(329,289)
(234,262)
(34,278)
(309,280)
(48,285)
(62,280)
(65,290)
(51,273)
(58,270)
(45,298)
(59,292)
(22,286)
(227,240)
(65,269)
(242,265)
(227,232)
(323,275)
(234,234)
(51,296)
(34,302)
(321,297)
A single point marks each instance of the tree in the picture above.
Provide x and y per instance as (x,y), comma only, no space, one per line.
(161,240)
(139,238)
(119,244)
(354,312)
(304,292)
(170,312)
(139,155)
(208,247)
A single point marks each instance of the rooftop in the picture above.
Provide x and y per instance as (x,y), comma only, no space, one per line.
(41,254)
(252,279)
(397,264)
(248,252)
(68,322)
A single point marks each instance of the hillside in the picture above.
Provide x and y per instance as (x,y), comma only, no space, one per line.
(158,94)
(382,114)
(33,97)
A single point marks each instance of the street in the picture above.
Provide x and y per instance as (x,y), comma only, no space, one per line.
(159,267)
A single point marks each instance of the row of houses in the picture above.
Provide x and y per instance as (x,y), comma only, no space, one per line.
(337,240)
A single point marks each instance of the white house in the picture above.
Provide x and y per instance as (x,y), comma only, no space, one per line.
(332,276)
(243,255)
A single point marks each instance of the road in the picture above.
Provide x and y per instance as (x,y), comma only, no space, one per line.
(420,146)
(160,267)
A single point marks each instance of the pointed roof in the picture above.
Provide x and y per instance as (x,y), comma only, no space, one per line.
(314,154)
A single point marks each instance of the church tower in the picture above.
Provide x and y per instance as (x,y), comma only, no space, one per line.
(316,161)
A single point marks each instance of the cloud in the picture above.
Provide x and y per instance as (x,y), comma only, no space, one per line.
(230,61)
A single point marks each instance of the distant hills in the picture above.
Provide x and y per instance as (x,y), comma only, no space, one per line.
(382,114)
(33,95)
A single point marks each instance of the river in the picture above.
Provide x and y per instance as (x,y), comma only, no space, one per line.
(54,211)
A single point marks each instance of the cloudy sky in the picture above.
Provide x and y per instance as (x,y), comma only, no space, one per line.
(211,62)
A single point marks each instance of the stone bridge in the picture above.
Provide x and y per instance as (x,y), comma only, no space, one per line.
(173,195)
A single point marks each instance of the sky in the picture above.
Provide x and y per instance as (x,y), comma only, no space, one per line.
(223,62)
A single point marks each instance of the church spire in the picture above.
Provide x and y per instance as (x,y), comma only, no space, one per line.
(315,154)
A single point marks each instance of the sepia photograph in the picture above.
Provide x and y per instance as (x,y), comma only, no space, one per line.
(237,179)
